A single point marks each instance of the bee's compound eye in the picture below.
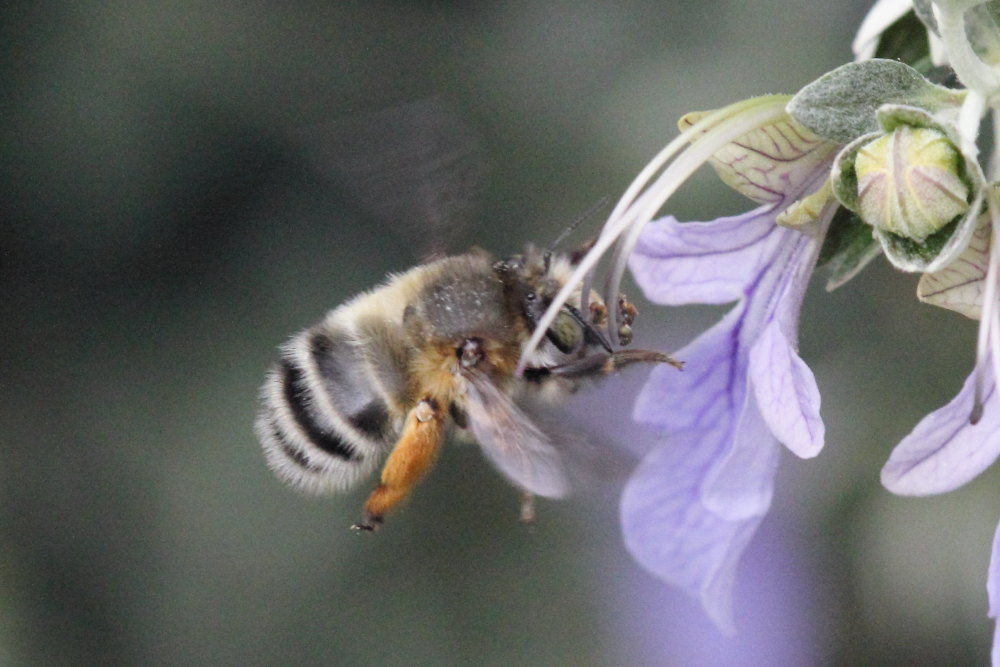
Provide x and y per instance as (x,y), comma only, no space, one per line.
(566,333)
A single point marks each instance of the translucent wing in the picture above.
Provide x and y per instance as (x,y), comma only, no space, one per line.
(511,441)
(417,168)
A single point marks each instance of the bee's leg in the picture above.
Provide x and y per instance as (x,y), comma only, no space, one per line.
(602,364)
(414,454)
(527,515)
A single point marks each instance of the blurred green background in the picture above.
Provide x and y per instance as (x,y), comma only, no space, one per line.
(165,226)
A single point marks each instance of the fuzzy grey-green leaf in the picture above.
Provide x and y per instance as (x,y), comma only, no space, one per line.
(841,104)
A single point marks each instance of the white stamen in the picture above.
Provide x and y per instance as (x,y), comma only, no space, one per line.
(988,340)
(971,70)
(969,117)
(633,211)
(991,306)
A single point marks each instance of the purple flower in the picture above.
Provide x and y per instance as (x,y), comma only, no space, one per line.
(900,154)
(696,500)
(693,504)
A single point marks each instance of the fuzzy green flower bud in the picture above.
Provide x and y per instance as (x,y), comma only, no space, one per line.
(908,182)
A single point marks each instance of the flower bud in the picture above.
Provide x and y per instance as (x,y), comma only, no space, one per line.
(908,182)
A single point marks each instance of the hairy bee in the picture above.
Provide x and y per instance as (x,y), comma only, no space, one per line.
(387,372)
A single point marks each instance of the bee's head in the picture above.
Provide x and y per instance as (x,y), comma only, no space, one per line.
(528,280)
(531,280)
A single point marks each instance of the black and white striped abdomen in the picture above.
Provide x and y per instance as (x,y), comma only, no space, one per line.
(324,420)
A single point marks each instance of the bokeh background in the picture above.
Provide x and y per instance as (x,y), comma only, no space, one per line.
(167,219)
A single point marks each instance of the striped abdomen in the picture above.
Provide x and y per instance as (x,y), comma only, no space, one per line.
(327,412)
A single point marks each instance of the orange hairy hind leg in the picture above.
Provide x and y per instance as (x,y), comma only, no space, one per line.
(412,457)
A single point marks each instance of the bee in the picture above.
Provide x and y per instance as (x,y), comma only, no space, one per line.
(389,372)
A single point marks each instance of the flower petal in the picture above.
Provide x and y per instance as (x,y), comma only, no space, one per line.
(995,653)
(740,484)
(670,532)
(938,250)
(770,162)
(808,211)
(701,262)
(786,393)
(700,398)
(708,397)
(945,451)
(993,580)
(993,591)
(691,507)
(959,286)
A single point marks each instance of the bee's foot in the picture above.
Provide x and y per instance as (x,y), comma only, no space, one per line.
(367,525)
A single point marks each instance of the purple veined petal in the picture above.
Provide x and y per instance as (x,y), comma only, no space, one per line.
(786,393)
(666,526)
(739,485)
(669,531)
(945,451)
(770,162)
(697,399)
(995,653)
(961,285)
(777,603)
(692,506)
(702,262)
(993,591)
(707,396)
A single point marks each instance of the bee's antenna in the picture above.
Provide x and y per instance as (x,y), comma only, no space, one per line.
(586,215)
